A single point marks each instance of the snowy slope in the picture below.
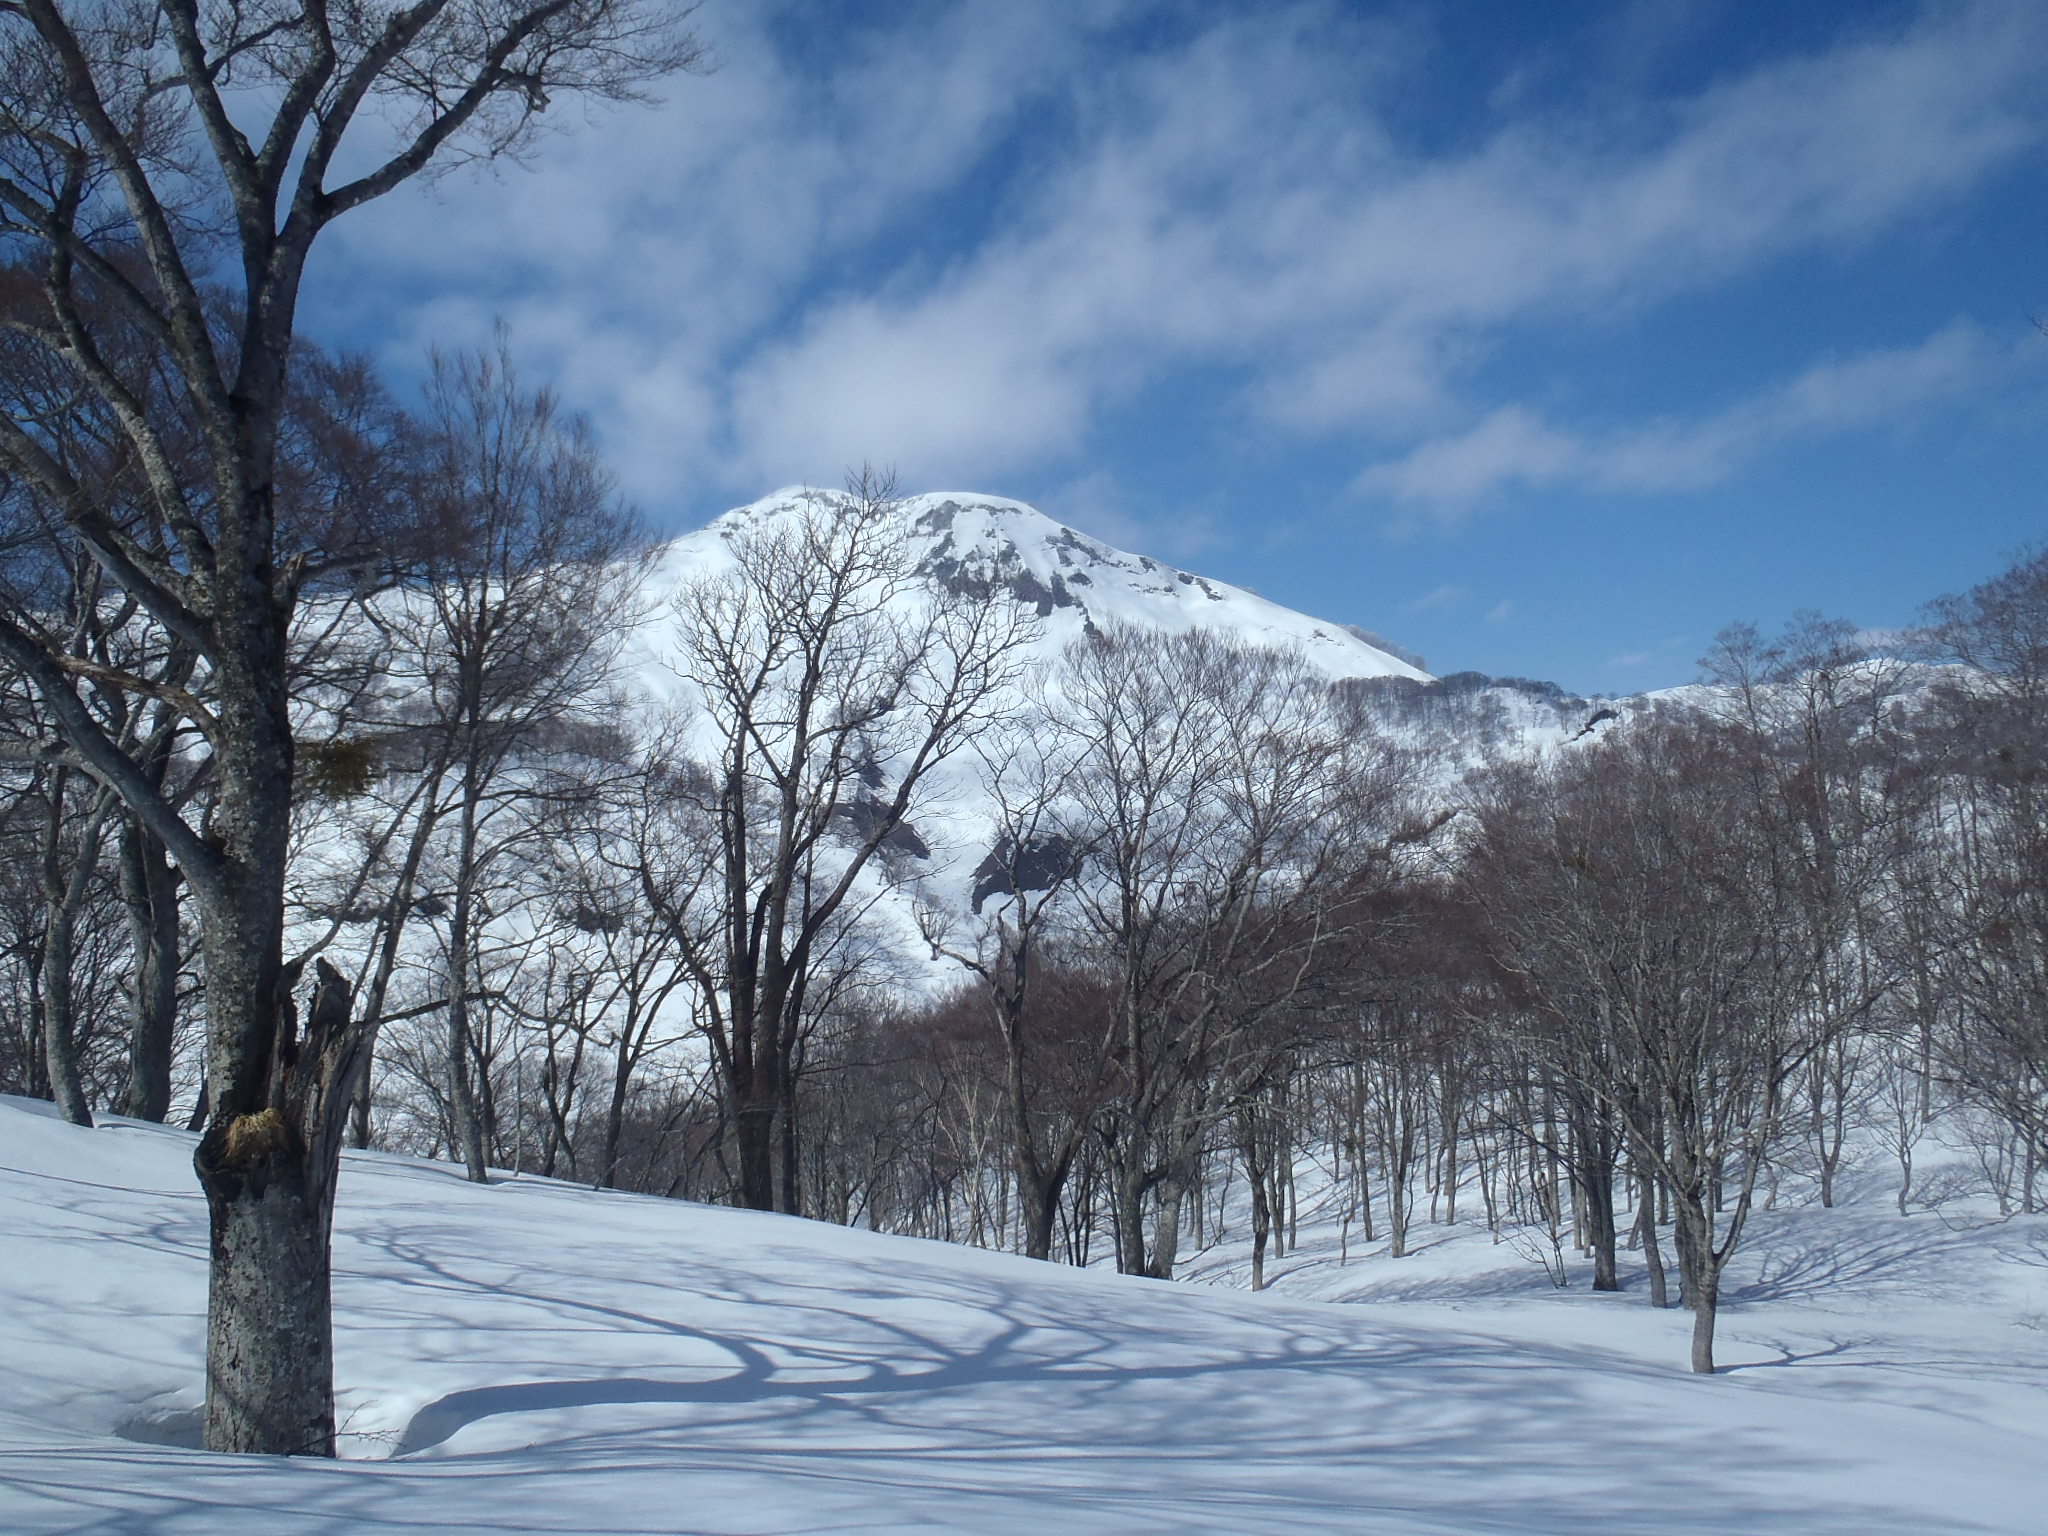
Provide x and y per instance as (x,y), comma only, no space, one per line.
(992,550)
(531,1357)
(997,549)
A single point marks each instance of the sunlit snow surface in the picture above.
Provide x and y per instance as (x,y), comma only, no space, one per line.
(998,548)
(534,1357)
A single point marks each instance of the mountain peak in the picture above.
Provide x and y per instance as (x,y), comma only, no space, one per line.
(987,546)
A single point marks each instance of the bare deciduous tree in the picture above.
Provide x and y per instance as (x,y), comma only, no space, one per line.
(173,165)
(829,688)
(1633,893)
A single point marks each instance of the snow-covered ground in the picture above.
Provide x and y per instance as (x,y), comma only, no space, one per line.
(530,1356)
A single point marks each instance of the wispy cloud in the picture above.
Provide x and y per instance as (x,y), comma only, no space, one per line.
(1449,595)
(1513,447)
(792,267)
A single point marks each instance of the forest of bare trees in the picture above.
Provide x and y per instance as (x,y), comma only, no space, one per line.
(1235,935)
(346,801)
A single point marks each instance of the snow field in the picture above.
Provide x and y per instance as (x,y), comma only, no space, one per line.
(533,1357)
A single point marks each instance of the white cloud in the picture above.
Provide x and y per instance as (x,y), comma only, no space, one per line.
(1449,595)
(1351,280)
(789,269)
(1512,447)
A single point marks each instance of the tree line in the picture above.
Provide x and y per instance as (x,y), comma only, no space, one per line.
(329,819)
(699,915)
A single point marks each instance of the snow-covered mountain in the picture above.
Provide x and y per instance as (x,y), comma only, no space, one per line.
(994,548)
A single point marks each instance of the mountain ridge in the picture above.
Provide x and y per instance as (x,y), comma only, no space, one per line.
(978,545)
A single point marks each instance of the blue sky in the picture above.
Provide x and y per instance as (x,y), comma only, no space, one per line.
(1544,338)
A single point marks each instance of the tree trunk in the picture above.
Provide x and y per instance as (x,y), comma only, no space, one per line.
(1592,1171)
(149,888)
(1705,1291)
(359,1101)
(1166,1227)
(1251,1147)
(1130,1215)
(1597,1190)
(1653,1252)
(268,1163)
(1040,1200)
(65,884)
(789,1197)
(753,1123)
(615,1112)
(467,1121)
(269,1343)
(752,1084)
(60,1026)
(462,1054)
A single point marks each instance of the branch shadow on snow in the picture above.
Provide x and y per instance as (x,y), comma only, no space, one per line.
(1117,1403)
(617,1371)
(1920,1257)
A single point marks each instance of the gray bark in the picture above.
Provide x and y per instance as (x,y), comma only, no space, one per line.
(149,887)
(67,877)
(269,1173)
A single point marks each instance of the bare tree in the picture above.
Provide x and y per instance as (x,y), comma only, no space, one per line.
(829,689)
(1634,895)
(1983,887)
(1817,708)
(498,648)
(129,184)
(1235,827)
(1049,1018)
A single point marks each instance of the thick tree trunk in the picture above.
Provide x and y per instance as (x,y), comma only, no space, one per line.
(1040,1200)
(1653,1252)
(1700,1271)
(269,1171)
(1039,1180)
(1400,1204)
(1166,1227)
(462,1097)
(1130,1218)
(751,1082)
(754,1130)
(1598,1198)
(270,1350)
(1592,1171)
(272,1146)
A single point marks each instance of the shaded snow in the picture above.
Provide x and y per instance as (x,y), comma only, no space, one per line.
(534,1357)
